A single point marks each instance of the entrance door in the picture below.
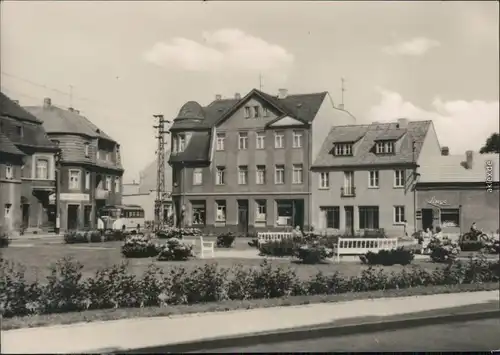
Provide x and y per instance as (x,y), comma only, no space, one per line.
(26,215)
(243,216)
(427,218)
(298,214)
(51,216)
(87,213)
(349,220)
(72,217)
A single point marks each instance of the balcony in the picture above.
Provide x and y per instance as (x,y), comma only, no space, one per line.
(43,185)
(101,194)
(348,191)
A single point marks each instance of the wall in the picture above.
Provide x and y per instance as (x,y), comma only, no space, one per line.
(10,192)
(146,201)
(430,147)
(386,197)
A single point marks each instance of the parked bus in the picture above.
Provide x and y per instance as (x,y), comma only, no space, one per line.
(128,218)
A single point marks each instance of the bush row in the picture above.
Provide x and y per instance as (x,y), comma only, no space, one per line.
(66,291)
(179,233)
(141,246)
(93,236)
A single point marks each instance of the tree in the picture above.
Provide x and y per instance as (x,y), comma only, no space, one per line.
(492,144)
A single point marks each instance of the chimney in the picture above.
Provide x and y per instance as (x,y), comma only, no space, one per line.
(282,93)
(47,102)
(70,109)
(15,101)
(237,96)
(445,151)
(403,123)
(76,111)
(468,159)
(341,106)
(218,97)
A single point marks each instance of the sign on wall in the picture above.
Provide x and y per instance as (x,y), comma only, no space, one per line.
(433,201)
(71,197)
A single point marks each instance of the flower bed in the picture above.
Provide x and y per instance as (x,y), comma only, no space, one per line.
(75,237)
(179,233)
(399,256)
(476,245)
(66,291)
(313,253)
(443,252)
(279,248)
(139,246)
(176,250)
(114,235)
(309,251)
(225,240)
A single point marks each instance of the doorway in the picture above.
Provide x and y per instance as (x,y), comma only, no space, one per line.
(349,220)
(243,217)
(87,216)
(427,218)
(26,215)
(73,217)
(298,214)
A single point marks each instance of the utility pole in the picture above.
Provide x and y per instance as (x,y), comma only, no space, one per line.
(342,89)
(58,157)
(161,192)
(260,82)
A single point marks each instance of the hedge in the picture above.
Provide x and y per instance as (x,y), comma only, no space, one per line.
(93,236)
(399,256)
(179,233)
(66,291)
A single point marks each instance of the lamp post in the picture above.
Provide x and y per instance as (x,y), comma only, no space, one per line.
(58,190)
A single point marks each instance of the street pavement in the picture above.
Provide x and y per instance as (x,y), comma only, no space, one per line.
(473,336)
(161,331)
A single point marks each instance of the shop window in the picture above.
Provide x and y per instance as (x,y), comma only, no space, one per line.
(285,210)
(450,217)
(198,212)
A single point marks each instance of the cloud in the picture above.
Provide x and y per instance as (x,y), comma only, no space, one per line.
(460,125)
(224,49)
(413,47)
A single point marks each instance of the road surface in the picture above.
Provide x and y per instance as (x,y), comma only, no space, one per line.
(468,336)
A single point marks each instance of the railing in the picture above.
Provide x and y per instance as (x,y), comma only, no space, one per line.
(266,237)
(357,246)
(348,191)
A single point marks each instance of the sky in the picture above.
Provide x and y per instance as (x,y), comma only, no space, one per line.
(120,63)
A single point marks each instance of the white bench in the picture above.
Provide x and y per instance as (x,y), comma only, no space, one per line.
(207,247)
(266,237)
(358,246)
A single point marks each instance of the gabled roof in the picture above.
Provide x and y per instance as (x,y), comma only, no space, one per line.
(452,169)
(11,109)
(7,147)
(390,135)
(58,120)
(349,136)
(363,154)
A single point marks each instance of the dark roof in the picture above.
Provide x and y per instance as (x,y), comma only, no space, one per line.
(197,149)
(11,109)
(58,120)
(348,136)
(390,134)
(363,153)
(6,146)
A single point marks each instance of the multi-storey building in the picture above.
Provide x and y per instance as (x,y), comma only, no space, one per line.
(243,163)
(27,164)
(90,167)
(364,176)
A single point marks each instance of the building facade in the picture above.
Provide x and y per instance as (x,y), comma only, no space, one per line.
(454,191)
(364,176)
(90,171)
(243,163)
(27,170)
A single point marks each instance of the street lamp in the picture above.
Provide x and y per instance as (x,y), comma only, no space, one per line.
(58,157)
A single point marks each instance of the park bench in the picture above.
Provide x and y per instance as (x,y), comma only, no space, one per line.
(266,237)
(204,246)
(359,246)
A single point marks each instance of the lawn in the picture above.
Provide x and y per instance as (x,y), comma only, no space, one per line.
(94,256)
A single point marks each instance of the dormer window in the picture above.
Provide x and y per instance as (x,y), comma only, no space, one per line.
(179,143)
(256,111)
(384,147)
(343,149)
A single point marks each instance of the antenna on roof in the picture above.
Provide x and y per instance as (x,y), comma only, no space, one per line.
(342,89)
(260,82)
(71,96)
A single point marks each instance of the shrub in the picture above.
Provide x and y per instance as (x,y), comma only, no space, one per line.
(175,249)
(179,233)
(285,247)
(313,253)
(225,240)
(399,256)
(4,237)
(74,237)
(471,245)
(254,243)
(444,252)
(114,235)
(139,246)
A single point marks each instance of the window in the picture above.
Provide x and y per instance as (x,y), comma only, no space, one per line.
(42,169)
(221,137)
(368,217)
(297,174)
(331,217)
(9,171)
(256,111)
(260,142)
(284,212)
(221,175)
(87,150)
(197,176)
(74,179)
(384,147)
(261,211)
(19,131)
(279,175)
(266,112)
(373,179)
(107,187)
(399,178)
(343,149)
(297,139)
(87,180)
(198,211)
(182,143)
(324,180)
(108,156)
(279,140)
(242,175)
(7,209)
(399,214)
(175,146)
(117,184)
(99,154)
(243,140)
(450,217)
(220,211)
(348,183)
(261,175)
(247,112)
